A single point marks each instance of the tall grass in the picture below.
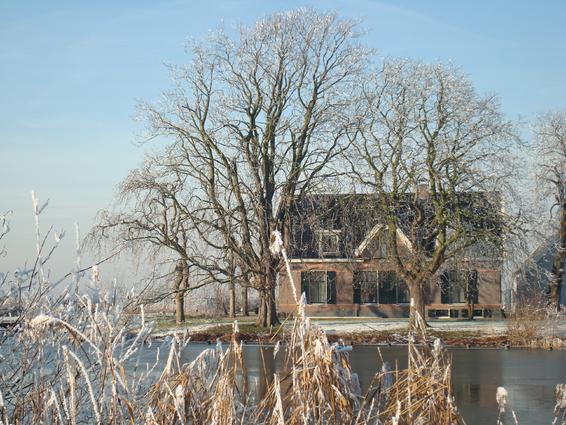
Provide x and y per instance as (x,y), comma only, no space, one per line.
(534,324)
(74,360)
(71,359)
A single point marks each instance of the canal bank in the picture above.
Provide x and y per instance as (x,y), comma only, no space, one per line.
(363,331)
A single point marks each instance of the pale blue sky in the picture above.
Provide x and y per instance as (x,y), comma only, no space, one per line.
(71,73)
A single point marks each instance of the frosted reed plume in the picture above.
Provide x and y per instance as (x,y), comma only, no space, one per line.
(560,407)
(81,364)
(72,359)
(535,324)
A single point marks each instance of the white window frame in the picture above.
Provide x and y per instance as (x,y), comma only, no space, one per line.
(328,233)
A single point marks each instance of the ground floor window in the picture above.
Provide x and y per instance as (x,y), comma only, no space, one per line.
(319,287)
(365,287)
(392,288)
(379,287)
(459,286)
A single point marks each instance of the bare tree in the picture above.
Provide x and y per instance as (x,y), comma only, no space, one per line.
(257,120)
(438,156)
(149,219)
(550,147)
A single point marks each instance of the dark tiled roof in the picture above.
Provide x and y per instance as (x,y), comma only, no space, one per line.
(354,215)
(538,266)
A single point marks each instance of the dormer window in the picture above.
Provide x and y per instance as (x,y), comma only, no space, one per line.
(329,243)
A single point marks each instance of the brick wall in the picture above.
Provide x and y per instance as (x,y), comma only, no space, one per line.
(489,282)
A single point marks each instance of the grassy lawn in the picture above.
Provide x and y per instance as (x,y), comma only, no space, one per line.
(167,321)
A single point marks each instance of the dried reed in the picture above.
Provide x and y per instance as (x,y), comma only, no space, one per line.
(534,324)
(70,360)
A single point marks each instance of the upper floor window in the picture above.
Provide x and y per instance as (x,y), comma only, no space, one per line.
(328,242)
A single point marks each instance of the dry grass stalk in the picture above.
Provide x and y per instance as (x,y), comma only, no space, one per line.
(560,407)
(81,364)
(534,324)
(320,387)
(422,393)
(210,389)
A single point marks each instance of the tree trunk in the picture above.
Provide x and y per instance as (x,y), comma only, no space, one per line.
(271,305)
(179,308)
(557,273)
(268,304)
(470,307)
(180,287)
(262,311)
(245,306)
(267,314)
(232,307)
(418,302)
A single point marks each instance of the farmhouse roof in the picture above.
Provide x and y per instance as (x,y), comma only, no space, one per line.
(358,218)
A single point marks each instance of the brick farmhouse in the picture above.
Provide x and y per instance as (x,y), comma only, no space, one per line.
(339,259)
